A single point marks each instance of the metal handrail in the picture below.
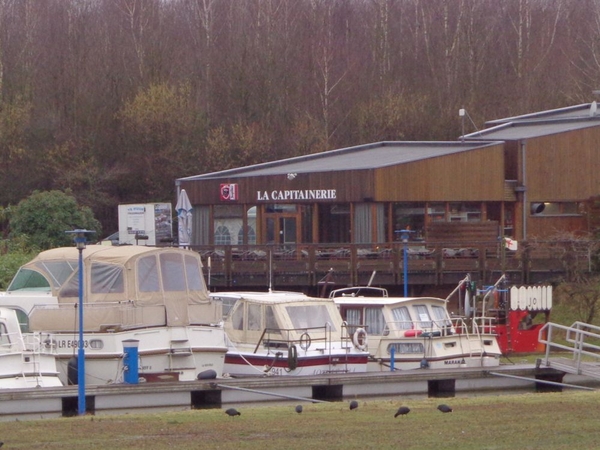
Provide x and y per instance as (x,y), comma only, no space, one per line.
(576,335)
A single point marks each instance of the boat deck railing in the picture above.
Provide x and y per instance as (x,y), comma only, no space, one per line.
(580,340)
(304,338)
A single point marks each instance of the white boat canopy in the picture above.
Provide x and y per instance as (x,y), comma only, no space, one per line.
(168,278)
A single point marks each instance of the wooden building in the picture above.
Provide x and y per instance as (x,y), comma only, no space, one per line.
(522,178)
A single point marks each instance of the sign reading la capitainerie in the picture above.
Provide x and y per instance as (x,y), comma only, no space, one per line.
(230,192)
(296,194)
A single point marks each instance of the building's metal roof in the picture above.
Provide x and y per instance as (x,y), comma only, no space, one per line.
(363,157)
(583,111)
(526,129)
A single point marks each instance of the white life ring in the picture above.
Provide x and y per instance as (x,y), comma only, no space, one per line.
(360,339)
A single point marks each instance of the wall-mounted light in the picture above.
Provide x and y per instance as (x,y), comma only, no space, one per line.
(537,208)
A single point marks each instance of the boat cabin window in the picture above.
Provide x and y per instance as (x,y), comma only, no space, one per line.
(374,320)
(402,319)
(107,279)
(352,316)
(4,339)
(371,318)
(254,317)
(441,317)
(148,274)
(237,319)
(193,274)
(310,316)
(271,321)
(407,348)
(228,304)
(172,271)
(423,316)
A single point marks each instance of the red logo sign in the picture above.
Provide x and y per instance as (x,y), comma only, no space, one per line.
(229,192)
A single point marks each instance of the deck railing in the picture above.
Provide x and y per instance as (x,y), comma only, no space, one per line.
(308,265)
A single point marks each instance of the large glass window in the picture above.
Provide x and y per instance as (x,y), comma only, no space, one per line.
(409,216)
(228,221)
(464,212)
(222,235)
(334,224)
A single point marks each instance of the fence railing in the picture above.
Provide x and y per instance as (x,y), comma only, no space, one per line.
(353,264)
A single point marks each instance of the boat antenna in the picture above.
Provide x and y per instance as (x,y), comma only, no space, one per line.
(372,278)
(270,270)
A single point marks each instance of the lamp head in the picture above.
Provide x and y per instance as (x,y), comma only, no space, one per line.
(79,236)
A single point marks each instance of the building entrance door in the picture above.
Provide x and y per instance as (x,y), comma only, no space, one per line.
(282,229)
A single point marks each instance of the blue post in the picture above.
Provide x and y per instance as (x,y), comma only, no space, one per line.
(405,270)
(404,236)
(80,243)
(130,361)
(392,358)
(80,349)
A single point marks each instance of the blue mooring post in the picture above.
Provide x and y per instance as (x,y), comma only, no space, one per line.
(130,361)
(392,358)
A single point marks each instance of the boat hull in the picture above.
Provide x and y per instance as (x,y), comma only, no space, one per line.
(28,370)
(317,363)
(164,353)
(440,352)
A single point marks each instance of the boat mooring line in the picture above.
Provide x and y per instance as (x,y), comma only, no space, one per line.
(554,383)
(291,397)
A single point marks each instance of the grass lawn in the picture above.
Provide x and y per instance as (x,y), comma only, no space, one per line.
(548,421)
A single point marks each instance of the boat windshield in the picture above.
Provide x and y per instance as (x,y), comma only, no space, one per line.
(49,273)
(310,316)
(29,280)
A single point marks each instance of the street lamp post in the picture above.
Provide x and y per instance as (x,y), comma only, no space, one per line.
(404,235)
(80,241)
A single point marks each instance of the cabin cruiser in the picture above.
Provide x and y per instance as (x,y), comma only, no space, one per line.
(153,296)
(286,333)
(416,332)
(24,361)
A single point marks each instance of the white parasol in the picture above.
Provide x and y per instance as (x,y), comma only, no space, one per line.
(184,216)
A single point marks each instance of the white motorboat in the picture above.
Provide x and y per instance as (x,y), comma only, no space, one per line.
(156,296)
(286,333)
(24,363)
(416,332)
